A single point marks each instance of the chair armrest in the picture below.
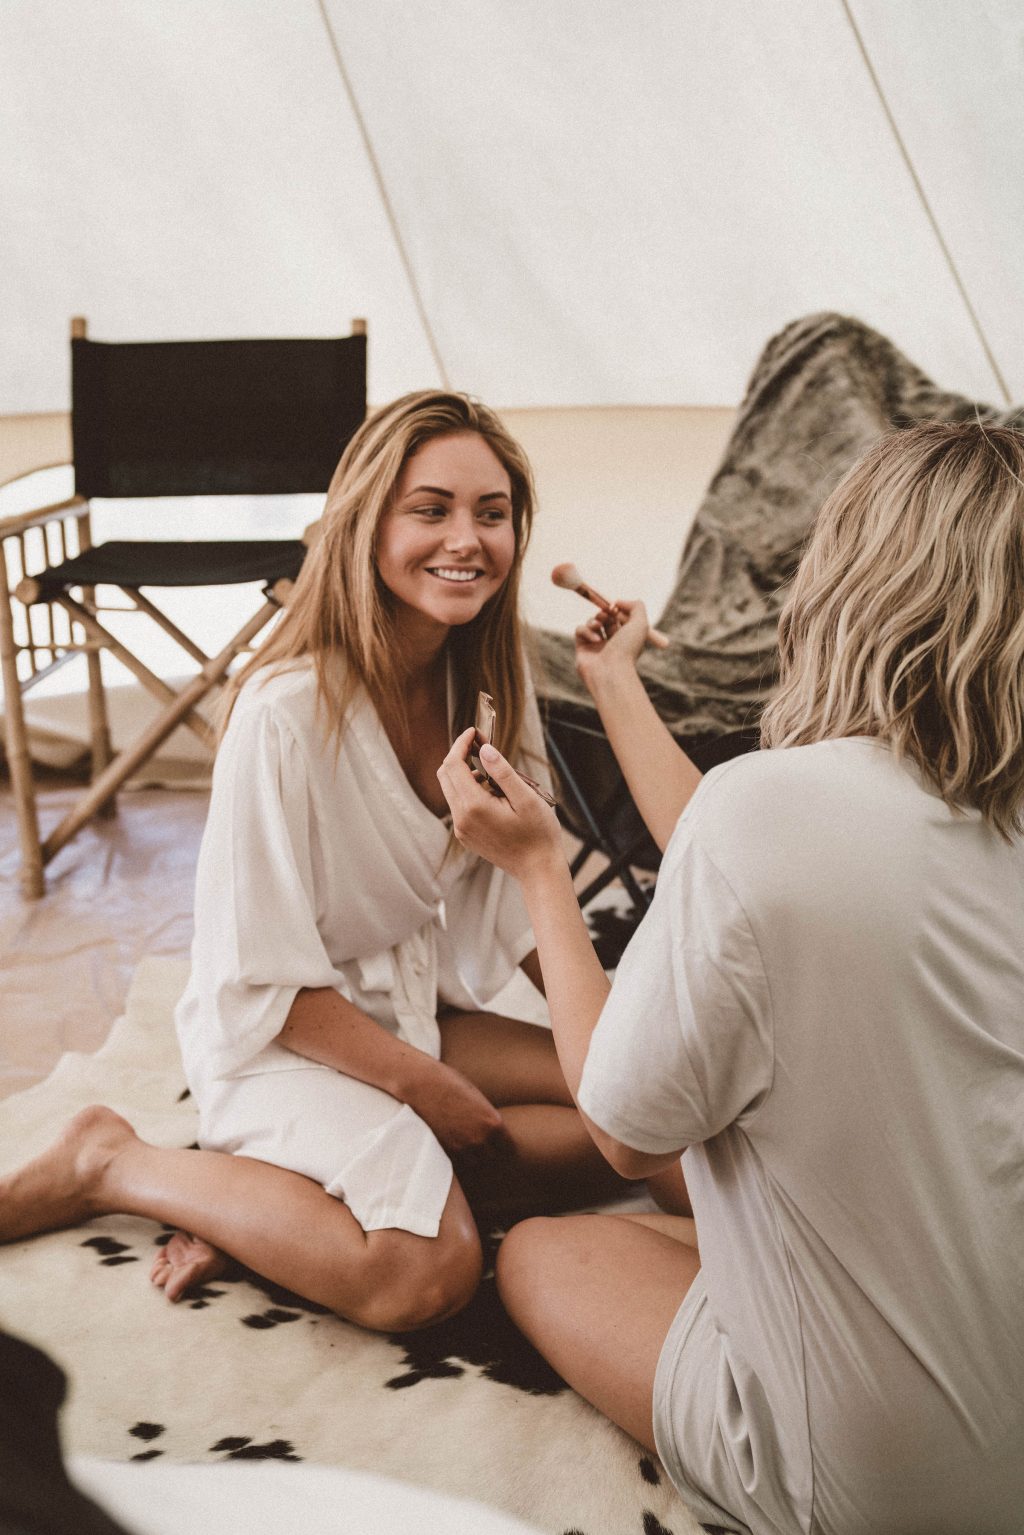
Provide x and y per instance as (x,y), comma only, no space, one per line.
(42,515)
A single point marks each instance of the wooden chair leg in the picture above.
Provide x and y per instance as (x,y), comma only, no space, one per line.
(99,721)
(132,757)
(16,742)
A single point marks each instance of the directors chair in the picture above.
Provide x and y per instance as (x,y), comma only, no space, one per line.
(152,419)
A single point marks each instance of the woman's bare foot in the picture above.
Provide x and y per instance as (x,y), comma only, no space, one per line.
(185,1261)
(64,1184)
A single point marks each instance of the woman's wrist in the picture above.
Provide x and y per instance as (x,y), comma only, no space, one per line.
(544,873)
(413,1077)
(611,677)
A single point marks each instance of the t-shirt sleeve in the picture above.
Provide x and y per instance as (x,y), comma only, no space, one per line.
(684,1044)
(257,942)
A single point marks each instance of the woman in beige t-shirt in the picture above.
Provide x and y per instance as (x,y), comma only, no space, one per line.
(823,1015)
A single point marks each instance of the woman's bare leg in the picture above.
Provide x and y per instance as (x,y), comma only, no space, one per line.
(277,1222)
(669,1191)
(508,1060)
(552,1163)
(596,1295)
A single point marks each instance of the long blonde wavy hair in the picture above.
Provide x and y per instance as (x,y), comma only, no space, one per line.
(906,617)
(341,614)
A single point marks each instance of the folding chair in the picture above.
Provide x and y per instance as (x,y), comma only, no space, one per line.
(595,804)
(210,418)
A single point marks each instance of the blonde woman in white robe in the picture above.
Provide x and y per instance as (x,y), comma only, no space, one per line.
(358,1104)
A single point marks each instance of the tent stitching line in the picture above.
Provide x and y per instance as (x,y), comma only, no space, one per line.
(389,211)
(926,205)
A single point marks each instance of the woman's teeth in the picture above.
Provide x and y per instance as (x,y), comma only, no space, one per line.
(448,574)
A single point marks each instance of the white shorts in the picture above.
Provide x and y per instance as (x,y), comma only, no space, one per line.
(363,1146)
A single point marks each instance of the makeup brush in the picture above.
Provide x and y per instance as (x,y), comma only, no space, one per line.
(569,578)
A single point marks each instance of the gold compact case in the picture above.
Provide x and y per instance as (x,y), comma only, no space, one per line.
(484,726)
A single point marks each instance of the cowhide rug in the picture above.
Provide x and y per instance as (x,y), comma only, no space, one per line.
(246,1371)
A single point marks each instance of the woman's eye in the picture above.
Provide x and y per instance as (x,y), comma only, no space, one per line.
(494,514)
(430,511)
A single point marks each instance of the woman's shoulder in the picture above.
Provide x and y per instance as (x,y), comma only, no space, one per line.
(275,697)
(765,793)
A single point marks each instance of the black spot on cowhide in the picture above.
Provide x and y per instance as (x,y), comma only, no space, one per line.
(270,1318)
(240,1448)
(147,1431)
(201,1295)
(653,1525)
(110,1253)
(183,1095)
(649,1471)
(483,1335)
(611,929)
(146,1455)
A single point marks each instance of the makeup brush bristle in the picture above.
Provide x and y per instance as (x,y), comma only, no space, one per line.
(567,576)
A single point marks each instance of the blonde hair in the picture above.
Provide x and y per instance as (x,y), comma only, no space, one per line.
(342,615)
(906,617)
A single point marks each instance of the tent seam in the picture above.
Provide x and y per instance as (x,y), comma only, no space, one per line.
(926,205)
(389,211)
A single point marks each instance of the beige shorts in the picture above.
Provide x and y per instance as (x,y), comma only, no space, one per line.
(685,1427)
(363,1146)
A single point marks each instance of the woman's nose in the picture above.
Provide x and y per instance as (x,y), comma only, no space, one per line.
(461,534)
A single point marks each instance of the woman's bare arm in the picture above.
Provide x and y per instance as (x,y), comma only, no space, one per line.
(520,834)
(327,1028)
(660,775)
(530,966)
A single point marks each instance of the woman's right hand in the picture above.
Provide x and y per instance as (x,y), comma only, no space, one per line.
(601,649)
(464,1121)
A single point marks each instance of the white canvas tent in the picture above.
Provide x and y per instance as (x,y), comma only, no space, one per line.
(555,206)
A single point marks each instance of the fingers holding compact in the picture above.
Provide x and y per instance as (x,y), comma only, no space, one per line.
(511,831)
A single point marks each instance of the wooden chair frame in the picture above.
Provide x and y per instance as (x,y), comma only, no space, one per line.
(71,627)
(49,633)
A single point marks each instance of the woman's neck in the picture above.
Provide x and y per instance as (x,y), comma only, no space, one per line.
(420,644)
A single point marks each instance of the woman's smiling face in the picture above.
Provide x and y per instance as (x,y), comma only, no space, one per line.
(446,544)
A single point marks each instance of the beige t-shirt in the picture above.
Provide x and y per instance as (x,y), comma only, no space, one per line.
(826,1005)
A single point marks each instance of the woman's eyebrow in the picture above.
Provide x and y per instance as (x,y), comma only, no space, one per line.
(435,490)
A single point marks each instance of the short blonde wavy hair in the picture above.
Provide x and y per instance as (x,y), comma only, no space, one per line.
(906,616)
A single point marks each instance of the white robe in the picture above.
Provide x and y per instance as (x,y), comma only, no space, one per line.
(321,867)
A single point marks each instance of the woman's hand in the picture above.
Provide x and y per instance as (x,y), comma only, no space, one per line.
(517,833)
(604,646)
(465,1122)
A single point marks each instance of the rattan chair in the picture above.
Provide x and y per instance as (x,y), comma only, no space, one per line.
(153,419)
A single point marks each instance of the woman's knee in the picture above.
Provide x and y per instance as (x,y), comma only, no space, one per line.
(416,1282)
(523,1260)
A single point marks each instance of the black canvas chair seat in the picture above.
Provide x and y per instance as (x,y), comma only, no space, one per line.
(226,562)
(595,803)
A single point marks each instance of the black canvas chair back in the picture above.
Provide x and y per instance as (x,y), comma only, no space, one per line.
(153,420)
(213,418)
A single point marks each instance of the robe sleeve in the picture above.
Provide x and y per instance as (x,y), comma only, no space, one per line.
(685,1043)
(257,941)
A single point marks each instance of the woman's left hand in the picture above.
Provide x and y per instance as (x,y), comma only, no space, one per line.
(519,832)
